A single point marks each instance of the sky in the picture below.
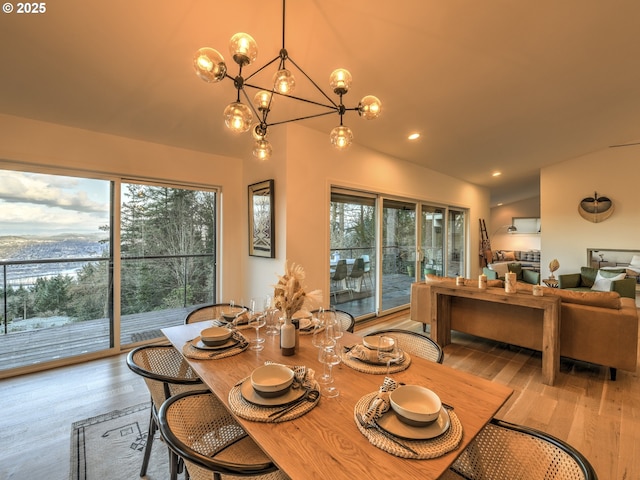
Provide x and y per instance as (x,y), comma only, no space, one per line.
(35,204)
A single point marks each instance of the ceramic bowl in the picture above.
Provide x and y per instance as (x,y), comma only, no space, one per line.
(229,314)
(373,342)
(214,336)
(415,405)
(271,380)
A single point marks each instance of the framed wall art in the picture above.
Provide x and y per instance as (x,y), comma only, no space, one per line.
(262,242)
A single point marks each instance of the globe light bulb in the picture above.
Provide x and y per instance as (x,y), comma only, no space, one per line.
(340,81)
(209,65)
(262,150)
(341,137)
(370,107)
(262,100)
(243,48)
(238,117)
(284,81)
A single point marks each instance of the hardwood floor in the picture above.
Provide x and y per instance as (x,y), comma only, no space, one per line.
(598,417)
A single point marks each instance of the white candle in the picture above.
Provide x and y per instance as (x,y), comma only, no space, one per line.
(482,281)
(459,280)
(537,291)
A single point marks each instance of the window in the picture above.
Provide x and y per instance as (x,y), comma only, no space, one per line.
(61,280)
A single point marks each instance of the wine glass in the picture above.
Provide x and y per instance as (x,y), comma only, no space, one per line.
(389,350)
(334,326)
(257,321)
(322,339)
(330,357)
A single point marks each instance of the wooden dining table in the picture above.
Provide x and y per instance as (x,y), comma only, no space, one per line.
(325,442)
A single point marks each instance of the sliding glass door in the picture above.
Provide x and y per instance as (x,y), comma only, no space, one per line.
(91,265)
(352,262)
(398,244)
(432,228)
(379,246)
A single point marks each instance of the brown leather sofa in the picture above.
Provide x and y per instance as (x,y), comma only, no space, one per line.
(595,327)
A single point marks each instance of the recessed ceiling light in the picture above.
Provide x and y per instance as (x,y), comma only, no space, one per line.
(414,136)
(496,174)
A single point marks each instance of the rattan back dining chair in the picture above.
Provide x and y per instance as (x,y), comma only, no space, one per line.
(165,373)
(211,443)
(347,321)
(415,343)
(208,312)
(506,451)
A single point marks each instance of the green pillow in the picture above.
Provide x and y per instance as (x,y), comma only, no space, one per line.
(588,276)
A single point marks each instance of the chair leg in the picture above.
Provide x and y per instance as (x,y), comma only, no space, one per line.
(173,465)
(151,432)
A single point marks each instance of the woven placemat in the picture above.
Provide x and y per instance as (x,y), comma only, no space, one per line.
(425,449)
(257,413)
(190,351)
(364,367)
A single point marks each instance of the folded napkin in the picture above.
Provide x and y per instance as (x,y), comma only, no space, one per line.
(302,376)
(381,403)
(242,319)
(370,356)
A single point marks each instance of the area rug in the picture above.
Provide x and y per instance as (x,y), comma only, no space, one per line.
(111,447)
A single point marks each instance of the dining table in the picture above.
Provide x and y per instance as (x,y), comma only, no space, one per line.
(325,441)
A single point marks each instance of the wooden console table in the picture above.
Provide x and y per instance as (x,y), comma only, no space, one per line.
(550,305)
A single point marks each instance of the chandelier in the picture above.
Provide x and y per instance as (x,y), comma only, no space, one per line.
(253,115)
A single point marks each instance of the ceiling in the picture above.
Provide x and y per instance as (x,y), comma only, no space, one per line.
(494,85)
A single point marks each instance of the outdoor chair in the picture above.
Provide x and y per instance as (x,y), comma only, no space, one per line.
(415,343)
(212,444)
(345,318)
(339,279)
(208,312)
(166,373)
(503,450)
(367,270)
(356,275)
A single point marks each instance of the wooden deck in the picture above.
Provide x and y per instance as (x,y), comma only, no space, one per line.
(21,349)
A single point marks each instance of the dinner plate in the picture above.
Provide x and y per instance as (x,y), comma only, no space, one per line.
(197,342)
(390,422)
(251,396)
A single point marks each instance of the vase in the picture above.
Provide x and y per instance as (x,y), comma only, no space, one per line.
(287,338)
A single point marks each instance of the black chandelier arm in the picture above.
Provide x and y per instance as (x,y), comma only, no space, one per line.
(300,118)
(313,83)
(333,106)
(262,68)
(253,108)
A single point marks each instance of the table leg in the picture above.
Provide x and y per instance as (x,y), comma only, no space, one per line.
(550,344)
(440,318)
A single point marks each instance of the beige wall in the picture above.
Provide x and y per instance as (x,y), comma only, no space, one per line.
(502,216)
(304,166)
(614,173)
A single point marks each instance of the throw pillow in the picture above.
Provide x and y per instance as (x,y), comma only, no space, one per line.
(635,261)
(587,276)
(508,256)
(603,284)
